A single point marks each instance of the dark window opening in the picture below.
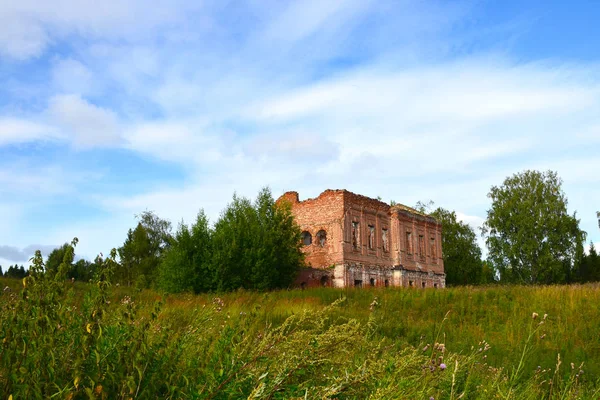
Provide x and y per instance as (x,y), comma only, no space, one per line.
(435,285)
(357,283)
(324,281)
(372,282)
(387,283)
(303,285)
(322,238)
(306,238)
(355,235)
(411,283)
(423,284)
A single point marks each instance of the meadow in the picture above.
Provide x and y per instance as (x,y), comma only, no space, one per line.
(75,340)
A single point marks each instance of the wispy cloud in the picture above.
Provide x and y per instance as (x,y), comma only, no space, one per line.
(403,100)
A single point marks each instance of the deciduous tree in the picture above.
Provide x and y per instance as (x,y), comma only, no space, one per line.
(185,266)
(530,235)
(140,254)
(461,253)
(256,246)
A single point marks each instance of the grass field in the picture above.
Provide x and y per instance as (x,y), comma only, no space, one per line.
(381,343)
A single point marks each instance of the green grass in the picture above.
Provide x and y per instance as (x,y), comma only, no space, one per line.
(378,343)
(501,315)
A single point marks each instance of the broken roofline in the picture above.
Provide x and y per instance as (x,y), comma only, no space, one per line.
(294,197)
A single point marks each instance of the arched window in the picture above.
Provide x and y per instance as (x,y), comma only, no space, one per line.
(387,283)
(322,238)
(306,238)
(372,282)
(324,280)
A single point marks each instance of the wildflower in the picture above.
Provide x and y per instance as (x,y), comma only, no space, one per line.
(545,316)
(442,366)
(534,315)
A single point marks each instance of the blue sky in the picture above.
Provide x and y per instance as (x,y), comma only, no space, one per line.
(112,109)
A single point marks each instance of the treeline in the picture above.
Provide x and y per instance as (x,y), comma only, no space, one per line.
(253,245)
(530,237)
(14,271)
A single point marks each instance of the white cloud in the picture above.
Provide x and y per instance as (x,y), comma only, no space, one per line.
(87,124)
(254,95)
(184,142)
(15,130)
(27,27)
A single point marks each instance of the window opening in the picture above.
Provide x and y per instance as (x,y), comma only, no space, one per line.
(385,241)
(355,235)
(321,238)
(306,238)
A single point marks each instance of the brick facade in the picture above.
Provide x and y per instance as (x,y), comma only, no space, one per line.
(354,240)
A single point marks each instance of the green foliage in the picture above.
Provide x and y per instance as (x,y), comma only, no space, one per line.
(530,236)
(141,253)
(55,258)
(321,343)
(14,271)
(186,264)
(588,265)
(461,253)
(256,246)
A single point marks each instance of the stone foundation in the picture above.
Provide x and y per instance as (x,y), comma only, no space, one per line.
(359,275)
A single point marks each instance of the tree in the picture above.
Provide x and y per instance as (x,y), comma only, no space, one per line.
(14,271)
(1,274)
(83,270)
(142,250)
(256,246)
(460,251)
(593,262)
(186,264)
(530,236)
(55,258)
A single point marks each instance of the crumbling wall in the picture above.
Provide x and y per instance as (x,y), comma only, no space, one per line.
(321,218)
(353,240)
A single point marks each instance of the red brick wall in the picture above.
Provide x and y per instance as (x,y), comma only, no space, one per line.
(326,213)
(334,212)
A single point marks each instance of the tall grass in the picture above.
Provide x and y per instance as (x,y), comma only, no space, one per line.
(101,341)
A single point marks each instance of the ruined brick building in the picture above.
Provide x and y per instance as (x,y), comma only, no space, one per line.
(354,240)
